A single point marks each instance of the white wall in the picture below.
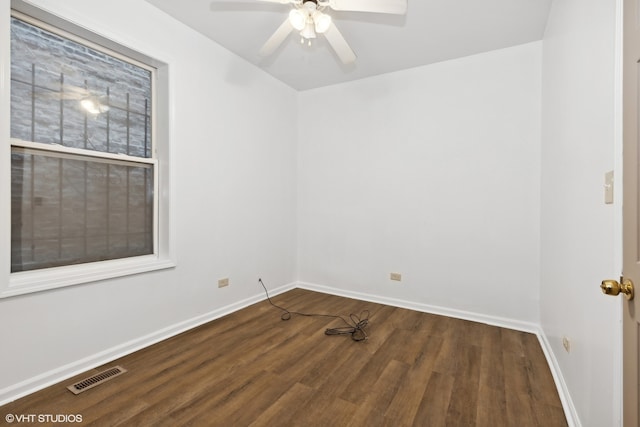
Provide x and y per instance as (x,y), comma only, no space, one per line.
(234,202)
(431,172)
(579,246)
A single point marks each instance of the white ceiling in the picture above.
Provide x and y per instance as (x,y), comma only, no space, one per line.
(432,31)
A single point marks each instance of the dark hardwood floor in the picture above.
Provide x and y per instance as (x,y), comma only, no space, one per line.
(252,369)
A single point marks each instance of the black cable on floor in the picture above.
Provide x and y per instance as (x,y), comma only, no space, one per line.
(356,329)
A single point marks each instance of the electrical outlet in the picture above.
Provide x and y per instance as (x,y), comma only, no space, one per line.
(223,282)
(396,276)
(566,343)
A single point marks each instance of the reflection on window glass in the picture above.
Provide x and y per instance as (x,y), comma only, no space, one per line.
(63,92)
(70,205)
(66,210)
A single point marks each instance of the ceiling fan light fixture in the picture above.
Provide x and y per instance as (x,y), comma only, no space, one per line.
(322,22)
(297,19)
(308,32)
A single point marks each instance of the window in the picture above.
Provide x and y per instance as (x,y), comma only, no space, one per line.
(84,166)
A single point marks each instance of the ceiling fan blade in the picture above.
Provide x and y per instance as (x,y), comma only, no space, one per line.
(397,7)
(339,44)
(279,1)
(276,38)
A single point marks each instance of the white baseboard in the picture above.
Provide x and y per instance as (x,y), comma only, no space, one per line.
(517,325)
(54,376)
(565,398)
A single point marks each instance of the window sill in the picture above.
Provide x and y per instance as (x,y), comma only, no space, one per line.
(58,277)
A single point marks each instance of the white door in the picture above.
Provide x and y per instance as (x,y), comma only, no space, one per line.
(631,240)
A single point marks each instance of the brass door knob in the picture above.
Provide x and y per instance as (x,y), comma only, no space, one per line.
(613,288)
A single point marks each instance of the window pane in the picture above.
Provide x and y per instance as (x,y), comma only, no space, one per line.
(68,209)
(66,93)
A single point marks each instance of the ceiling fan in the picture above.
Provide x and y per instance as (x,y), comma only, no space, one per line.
(309,18)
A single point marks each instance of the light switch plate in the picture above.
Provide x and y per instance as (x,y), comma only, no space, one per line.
(608,187)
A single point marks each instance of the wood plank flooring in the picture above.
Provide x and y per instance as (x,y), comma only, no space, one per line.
(253,369)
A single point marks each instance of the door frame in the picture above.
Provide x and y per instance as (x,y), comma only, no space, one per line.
(618,385)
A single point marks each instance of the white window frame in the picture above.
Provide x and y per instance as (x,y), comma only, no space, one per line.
(56,277)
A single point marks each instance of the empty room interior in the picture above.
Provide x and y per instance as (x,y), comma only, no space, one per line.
(401,222)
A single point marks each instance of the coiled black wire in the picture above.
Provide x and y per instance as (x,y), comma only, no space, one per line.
(356,329)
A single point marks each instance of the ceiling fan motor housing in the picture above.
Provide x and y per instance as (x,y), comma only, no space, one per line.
(310,6)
